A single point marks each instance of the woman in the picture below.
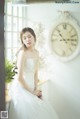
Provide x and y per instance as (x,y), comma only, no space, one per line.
(25,101)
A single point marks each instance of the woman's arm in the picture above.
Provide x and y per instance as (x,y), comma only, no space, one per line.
(38,92)
(20,65)
(36,80)
(36,72)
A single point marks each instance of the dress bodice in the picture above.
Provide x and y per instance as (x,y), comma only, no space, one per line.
(30,65)
(29,70)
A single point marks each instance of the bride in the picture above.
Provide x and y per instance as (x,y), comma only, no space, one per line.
(25,96)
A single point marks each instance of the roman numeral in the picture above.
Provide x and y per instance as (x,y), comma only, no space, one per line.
(74,35)
(70,49)
(64,25)
(53,39)
(73,39)
(57,30)
(73,44)
(63,53)
(70,30)
(55,34)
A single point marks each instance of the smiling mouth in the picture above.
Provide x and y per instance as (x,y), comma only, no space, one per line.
(29,43)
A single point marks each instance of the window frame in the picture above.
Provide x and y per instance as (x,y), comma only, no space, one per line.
(19,18)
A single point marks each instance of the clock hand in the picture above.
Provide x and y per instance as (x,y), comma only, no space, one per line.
(59,32)
(64,40)
(61,36)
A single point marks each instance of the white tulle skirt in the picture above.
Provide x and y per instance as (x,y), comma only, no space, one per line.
(25,105)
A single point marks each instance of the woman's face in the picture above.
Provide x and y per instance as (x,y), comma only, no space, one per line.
(28,39)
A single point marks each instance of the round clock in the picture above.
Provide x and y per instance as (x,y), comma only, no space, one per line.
(64,40)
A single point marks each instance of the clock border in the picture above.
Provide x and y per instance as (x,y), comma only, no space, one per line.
(70,20)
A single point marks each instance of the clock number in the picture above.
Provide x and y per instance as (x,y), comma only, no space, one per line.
(63,53)
(73,35)
(58,30)
(70,49)
(73,39)
(71,30)
(53,39)
(64,25)
(73,44)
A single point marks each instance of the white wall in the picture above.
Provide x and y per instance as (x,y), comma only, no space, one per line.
(64,89)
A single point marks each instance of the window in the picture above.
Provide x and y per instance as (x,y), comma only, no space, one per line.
(14,20)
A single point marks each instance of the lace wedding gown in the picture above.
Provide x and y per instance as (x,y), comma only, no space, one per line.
(25,105)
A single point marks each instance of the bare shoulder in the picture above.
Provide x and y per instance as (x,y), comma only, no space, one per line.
(21,53)
(37,53)
(20,58)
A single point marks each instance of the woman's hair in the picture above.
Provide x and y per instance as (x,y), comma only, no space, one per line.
(27,29)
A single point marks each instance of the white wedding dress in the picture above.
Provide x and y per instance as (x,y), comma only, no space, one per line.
(25,105)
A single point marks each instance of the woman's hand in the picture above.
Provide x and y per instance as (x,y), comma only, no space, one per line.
(38,93)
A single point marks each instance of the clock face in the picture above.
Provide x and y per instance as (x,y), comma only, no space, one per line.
(64,39)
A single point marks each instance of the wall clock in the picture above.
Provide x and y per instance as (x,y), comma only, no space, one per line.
(65,37)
